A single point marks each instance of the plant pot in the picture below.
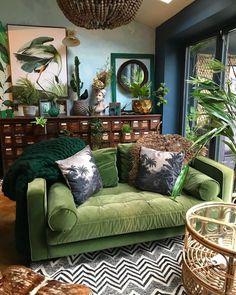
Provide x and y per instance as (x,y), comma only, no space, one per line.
(142,106)
(126,137)
(29,110)
(80,107)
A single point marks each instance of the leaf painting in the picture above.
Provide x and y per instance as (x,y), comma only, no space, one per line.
(37,53)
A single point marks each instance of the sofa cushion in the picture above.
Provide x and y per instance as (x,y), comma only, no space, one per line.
(124,209)
(200,185)
(124,161)
(62,212)
(158,170)
(81,174)
(105,160)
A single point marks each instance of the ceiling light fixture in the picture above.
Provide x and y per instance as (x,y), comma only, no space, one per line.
(166,1)
(102,14)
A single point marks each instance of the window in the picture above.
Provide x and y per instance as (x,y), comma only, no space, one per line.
(197,57)
(224,155)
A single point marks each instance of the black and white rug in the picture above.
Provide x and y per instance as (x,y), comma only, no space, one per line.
(152,268)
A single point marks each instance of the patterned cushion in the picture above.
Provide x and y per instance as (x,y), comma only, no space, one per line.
(162,142)
(158,170)
(81,175)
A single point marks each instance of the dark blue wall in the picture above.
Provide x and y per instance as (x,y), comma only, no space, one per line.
(199,20)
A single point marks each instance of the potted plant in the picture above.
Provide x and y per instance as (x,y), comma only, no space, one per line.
(218,103)
(126,132)
(26,93)
(141,102)
(80,106)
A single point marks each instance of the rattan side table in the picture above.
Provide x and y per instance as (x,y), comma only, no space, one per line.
(209,257)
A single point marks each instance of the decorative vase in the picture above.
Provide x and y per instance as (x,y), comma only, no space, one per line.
(29,110)
(53,111)
(142,106)
(80,107)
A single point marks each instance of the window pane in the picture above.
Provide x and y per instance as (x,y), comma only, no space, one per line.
(198,55)
(225,155)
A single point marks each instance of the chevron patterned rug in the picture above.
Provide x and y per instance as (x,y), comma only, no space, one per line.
(152,268)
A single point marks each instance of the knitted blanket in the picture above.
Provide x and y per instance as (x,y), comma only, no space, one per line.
(37,160)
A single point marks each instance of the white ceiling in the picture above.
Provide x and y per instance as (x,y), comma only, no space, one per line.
(155,12)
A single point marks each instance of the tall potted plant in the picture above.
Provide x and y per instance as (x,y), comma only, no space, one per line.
(80,106)
(218,104)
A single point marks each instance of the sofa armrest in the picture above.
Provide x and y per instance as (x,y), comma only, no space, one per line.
(37,218)
(223,174)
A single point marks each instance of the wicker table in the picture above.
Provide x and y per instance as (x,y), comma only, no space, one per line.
(209,258)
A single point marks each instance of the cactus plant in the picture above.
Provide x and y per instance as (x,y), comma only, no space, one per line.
(75,83)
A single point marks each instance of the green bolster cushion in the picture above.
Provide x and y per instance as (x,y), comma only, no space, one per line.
(105,160)
(124,161)
(200,185)
(62,212)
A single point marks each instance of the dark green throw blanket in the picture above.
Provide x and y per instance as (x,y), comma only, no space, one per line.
(37,160)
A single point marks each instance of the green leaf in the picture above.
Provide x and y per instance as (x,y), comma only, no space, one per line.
(1,67)
(8,103)
(179,184)
(231,146)
(35,42)
(4,53)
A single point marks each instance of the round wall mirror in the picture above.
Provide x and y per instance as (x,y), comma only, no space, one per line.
(127,70)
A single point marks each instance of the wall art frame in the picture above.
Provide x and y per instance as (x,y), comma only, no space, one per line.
(37,52)
(44,106)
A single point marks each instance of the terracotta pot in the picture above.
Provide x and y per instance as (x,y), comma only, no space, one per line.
(142,106)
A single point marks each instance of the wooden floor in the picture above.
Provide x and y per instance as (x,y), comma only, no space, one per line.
(8,253)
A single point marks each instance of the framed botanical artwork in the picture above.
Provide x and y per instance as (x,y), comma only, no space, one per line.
(37,53)
(44,106)
(63,105)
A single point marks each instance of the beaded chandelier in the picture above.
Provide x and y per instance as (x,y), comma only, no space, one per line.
(99,14)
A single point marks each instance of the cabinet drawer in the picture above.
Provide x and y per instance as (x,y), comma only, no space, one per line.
(116,125)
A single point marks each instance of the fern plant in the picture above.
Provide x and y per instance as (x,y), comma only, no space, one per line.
(26,92)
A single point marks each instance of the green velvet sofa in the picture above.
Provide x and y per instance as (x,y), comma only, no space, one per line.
(115,216)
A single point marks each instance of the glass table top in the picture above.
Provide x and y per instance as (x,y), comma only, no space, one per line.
(214,223)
